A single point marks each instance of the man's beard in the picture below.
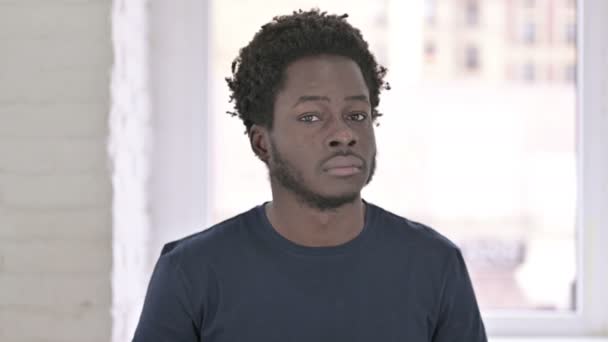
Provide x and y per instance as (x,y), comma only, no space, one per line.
(284,173)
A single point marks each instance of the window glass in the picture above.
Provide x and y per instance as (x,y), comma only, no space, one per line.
(486,158)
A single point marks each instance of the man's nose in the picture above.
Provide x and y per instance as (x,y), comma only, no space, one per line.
(342,136)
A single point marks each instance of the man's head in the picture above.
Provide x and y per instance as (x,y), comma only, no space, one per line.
(307,89)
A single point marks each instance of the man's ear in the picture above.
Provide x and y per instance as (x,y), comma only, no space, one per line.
(259,141)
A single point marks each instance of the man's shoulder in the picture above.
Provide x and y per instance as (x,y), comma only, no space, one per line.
(410,232)
(211,238)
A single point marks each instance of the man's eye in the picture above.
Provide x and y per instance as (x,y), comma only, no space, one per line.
(309,118)
(357,116)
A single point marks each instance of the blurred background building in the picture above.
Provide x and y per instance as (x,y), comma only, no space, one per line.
(494,41)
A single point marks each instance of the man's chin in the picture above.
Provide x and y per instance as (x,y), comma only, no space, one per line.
(333,190)
(330,201)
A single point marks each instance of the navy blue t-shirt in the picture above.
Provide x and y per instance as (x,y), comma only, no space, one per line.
(240,280)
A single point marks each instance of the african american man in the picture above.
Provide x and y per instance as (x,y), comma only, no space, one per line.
(317,263)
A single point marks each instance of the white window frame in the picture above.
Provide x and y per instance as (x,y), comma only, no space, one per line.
(591,317)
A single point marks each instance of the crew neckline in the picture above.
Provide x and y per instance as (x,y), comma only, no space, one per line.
(354,244)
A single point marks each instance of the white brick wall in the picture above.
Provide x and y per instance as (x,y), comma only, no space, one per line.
(55,184)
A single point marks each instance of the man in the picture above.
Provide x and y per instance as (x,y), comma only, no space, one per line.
(317,263)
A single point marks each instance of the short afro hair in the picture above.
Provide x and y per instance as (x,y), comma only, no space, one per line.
(258,70)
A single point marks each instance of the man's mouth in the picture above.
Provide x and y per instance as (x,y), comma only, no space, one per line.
(343,166)
(344,171)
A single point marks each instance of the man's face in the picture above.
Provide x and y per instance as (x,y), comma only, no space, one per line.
(322,145)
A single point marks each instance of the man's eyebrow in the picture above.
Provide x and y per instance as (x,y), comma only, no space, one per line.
(307,98)
(357,98)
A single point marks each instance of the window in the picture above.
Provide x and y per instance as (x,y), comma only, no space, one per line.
(529,33)
(529,72)
(472,13)
(430,12)
(425,170)
(483,165)
(429,52)
(570,33)
(471,58)
(570,73)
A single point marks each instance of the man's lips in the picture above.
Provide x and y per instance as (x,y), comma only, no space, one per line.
(343,166)
(343,171)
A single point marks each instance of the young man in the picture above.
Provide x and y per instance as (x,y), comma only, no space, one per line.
(317,263)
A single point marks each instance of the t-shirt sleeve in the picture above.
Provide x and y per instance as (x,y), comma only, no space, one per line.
(459,317)
(167,313)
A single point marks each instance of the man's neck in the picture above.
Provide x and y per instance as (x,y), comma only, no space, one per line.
(313,227)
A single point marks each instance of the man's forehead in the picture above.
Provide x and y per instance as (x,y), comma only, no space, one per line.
(315,76)
(322,65)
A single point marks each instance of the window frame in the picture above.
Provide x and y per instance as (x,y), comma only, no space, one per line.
(591,315)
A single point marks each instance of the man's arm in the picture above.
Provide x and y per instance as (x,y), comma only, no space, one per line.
(459,317)
(167,313)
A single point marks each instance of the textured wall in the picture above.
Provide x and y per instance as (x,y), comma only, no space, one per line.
(55,188)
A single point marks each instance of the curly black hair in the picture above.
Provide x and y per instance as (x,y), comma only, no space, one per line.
(258,70)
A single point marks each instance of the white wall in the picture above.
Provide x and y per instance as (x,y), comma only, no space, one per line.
(55,192)
(130,152)
(180,120)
